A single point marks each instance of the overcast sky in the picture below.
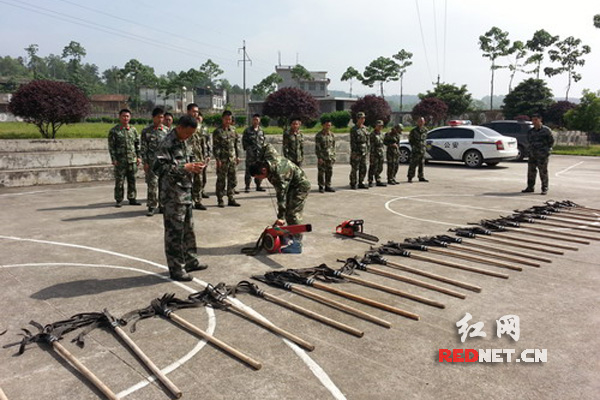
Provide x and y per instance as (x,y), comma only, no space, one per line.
(322,35)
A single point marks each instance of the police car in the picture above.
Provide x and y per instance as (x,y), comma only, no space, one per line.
(471,144)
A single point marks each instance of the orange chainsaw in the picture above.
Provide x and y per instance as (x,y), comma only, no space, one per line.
(354,228)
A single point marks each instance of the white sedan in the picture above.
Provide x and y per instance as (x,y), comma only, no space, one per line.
(471,144)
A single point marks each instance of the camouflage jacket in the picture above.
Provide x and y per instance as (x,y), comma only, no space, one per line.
(390,139)
(325,146)
(417,138)
(376,144)
(359,140)
(200,143)
(150,140)
(176,182)
(283,175)
(225,144)
(540,142)
(293,146)
(252,142)
(124,144)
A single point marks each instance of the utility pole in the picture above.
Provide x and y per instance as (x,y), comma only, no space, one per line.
(245,59)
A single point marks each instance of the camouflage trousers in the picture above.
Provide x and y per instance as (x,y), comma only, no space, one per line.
(152,180)
(294,207)
(198,184)
(417,161)
(226,177)
(324,173)
(125,171)
(358,164)
(533,166)
(392,165)
(375,168)
(247,176)
(180,239)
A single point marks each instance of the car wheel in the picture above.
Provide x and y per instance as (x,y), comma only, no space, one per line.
(473,159)
(492,164)
(521,154)
(404,155)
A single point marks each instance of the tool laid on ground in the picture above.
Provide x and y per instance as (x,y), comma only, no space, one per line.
(51,334)
(166,306)
(251,288)
(512,227)
(354,228)
(274,239)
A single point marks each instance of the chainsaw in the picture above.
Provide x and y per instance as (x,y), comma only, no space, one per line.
(354,228)
(275,238)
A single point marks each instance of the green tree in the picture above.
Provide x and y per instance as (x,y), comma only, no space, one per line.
(532,96)
(211,70)
(300,73)
(74,53)
(138,75)
(494,43)
(381,70)
(519,50)
(57,67)
(34,60)
(13,67)
(538,44)
(267,86)
(350,75)
(113,80)
(569,55)
(458,99)
(586,116)
(403,60)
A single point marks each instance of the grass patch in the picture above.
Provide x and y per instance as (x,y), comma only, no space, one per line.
(593,150)
(88,130)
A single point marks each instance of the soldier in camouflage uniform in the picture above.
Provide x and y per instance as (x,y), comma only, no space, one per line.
(151,138)
(225,147)
(168,121)
(376,155)
(325,150)
(200,143)
(359,150)
(392,141)
(124,148)
(293,143)
(253,139)
(417,138)
(175,170)
(540,146)
(291,187)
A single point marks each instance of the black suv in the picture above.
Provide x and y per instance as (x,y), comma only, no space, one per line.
(516,129)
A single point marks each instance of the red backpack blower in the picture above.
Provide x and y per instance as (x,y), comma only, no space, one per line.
(274,238)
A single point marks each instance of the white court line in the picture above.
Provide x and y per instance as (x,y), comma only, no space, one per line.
(569,168)
(317,371)
(168,369)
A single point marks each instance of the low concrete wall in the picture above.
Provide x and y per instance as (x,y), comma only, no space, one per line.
(46,162)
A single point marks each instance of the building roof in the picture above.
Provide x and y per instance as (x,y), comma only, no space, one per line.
(109,97)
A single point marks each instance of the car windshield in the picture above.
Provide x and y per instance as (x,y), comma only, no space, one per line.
(488,132)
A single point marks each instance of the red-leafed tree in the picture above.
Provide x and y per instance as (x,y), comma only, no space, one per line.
(288,103)
(374,107)
(554,115)
(432,109)
(49,105)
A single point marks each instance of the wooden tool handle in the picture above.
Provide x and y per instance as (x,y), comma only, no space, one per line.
(148,363)
(213,340)
(459,266)
(64,353)
(314,315)
(430,275)
(365,300)
(341,306)
(273,328)
(480,260)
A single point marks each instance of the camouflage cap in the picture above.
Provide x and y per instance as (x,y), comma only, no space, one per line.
(399,127)
(360,115)
(379,122)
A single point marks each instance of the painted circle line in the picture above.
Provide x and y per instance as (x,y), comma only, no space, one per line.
(314,368)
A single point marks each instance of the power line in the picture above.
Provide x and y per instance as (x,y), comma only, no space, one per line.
(423,40)
(435,35)
(244,61)
(445,37)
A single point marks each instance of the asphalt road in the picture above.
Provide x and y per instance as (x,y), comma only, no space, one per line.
(66,250)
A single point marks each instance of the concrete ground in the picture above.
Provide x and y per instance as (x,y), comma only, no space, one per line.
(65,250)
